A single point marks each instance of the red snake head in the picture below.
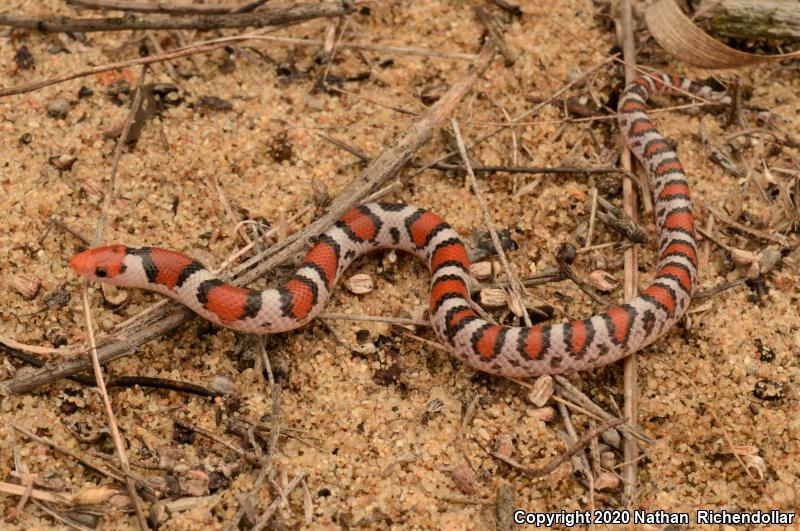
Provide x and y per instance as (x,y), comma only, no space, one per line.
(101,263)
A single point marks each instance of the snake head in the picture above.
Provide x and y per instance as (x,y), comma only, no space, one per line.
(101,264)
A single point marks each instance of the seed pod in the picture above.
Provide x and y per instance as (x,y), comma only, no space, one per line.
(542,390)
(742,257)
(27,285)
(481,270)
(465,478)
(92,495)
(493,298)
(602,281)
(360,283)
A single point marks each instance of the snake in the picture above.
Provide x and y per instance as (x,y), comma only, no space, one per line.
(542,349)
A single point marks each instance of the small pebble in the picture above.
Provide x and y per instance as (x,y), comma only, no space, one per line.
(158,514)
(612,438)
(608,460)
(742,257)
(120,502)
(57,298)
(24,59)
(56,336)
(222,384)
(58,108)
(85,92)
(768,390)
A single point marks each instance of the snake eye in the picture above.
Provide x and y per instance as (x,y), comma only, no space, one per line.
(100,272)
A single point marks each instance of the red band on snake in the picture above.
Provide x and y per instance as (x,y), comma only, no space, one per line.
(503,350)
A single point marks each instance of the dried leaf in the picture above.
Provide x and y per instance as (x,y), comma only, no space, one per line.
(682,38)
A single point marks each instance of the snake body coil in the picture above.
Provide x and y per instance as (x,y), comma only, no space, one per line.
(508,351)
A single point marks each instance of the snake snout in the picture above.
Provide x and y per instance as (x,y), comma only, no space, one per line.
(81,263)
(100,263)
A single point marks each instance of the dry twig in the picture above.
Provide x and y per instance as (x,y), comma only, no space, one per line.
(495,34)
(516,287)
(286,14)
(631,365)
(98,372)
(579,445)
(166,7)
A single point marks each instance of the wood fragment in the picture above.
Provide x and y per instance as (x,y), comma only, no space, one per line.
(37,494)
(532,170)
(495,33)
(776,238)
(285,14)
(167,7)
(579,445)
(514,9)
(630,364)
(751,19)
(265,517)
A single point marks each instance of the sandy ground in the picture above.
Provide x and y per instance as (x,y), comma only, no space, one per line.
(376,456)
